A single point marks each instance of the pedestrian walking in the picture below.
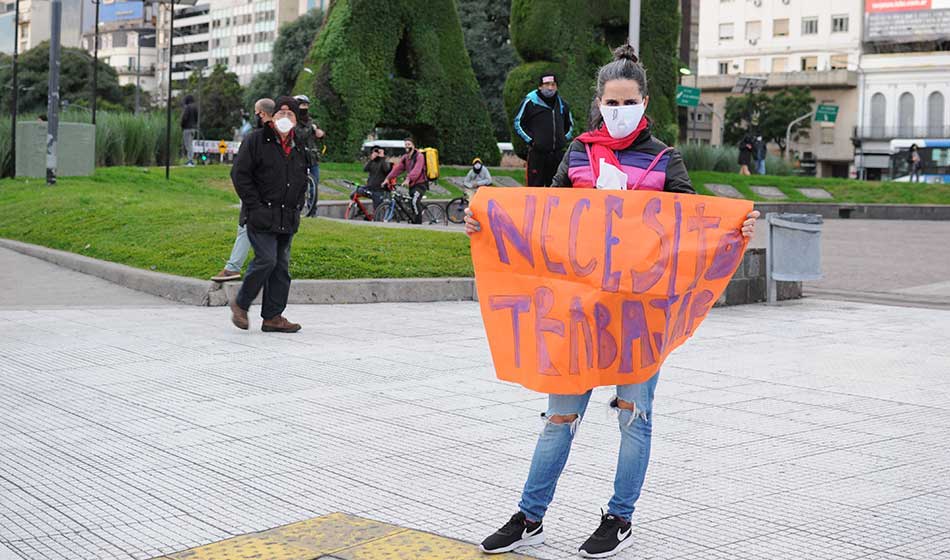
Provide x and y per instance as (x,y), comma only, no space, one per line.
(915,164)
(413,164)
(263,114)
(189,128)
(745,154)
(620,143)
(309,135)
(270,176)
(544,122)
(759,150)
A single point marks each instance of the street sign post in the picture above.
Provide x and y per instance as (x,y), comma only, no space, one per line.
(826,113)
(687,96)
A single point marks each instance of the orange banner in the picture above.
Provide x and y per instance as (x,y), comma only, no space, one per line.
(581,288)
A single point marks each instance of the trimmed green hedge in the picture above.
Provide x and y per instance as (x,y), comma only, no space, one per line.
(397,64)
(573,38)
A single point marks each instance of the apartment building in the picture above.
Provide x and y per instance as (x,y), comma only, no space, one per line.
(236,33)
(127,39)
(905,89)
(809,43)
(307,5)
(35,22)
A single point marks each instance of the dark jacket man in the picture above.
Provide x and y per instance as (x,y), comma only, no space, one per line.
(189,114)
(270,176)
(544,122)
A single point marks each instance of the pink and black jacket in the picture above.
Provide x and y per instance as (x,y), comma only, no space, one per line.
(649,164)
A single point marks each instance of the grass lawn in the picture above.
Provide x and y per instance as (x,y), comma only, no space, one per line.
(843,190)
(186,226)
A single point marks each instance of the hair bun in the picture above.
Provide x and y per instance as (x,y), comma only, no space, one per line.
(626,52)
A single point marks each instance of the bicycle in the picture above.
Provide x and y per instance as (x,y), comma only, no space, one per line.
(309,208)
(398,207)
(356,210)
(455,209)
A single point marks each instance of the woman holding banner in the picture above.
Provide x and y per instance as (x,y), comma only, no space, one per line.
(619,152)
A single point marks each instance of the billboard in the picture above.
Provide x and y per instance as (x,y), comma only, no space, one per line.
(906,21)
(121,11)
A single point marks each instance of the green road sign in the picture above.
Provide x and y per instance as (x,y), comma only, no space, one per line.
(826,113)
(687,96)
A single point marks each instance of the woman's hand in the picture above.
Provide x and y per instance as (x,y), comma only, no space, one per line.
(471,224)
(748,226)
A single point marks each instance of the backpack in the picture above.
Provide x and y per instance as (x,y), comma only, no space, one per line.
(432,162)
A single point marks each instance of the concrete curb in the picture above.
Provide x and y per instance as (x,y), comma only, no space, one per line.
(168,286)
(858,211)
(206,293)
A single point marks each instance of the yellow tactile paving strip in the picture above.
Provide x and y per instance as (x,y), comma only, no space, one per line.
(340,536)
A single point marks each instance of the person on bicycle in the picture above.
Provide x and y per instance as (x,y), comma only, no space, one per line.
(413,164)
(307,134)
(478,176)
(378,168)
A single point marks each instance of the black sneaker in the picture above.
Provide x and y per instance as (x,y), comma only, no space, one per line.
(517,532)
(613,535)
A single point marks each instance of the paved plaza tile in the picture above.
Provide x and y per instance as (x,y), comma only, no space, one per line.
(817,429)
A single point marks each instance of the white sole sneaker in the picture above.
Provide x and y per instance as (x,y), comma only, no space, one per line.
(623,544)
(530,541)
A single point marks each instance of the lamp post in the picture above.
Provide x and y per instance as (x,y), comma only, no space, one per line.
(52,108)
(171,58)
(138,68)
(95,63)
(633,34)
(16,52)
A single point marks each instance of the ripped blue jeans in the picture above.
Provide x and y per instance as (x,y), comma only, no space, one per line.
(554,445)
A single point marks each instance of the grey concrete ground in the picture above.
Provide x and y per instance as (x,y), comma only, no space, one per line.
(886,261)
(813,430)
(31,283)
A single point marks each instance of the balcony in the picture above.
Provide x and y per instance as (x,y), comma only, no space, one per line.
(147,70)
(813,79)
(887,133)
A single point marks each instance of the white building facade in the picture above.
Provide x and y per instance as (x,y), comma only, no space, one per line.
(905,93)
(808,43)
(34,24)
(127,38)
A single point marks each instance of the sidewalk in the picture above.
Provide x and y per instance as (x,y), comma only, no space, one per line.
(814,430)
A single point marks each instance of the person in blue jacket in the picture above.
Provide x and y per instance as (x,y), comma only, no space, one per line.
(544,122)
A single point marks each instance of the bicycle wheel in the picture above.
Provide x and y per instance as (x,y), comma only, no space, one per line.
(309,208)
(384,212)
(455,210)
(433,214)
(354,212)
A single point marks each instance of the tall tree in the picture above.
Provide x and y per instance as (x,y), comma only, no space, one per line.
(485,30)
(74,81)
(290,49)
(221,97)
(768,115)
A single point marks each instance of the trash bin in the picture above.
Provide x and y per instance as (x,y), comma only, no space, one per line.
(793,251)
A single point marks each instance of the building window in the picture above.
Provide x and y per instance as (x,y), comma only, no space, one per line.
(827,134)
(120,39)
(753,31)
(778,64)
(878,114)
(810,26)
(809,63)
(724,67)
(727,31)
(905,114)
(935,124)
(839,24)
(752,66)
(839,62)
(780,28)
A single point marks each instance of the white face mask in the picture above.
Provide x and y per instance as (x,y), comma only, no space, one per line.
(284,125)
(622,120)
